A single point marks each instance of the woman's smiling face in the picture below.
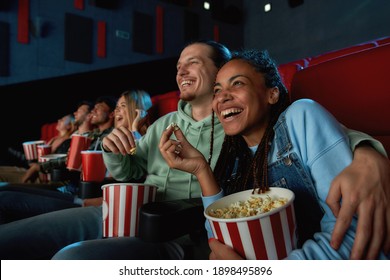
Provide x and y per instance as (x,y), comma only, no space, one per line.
(121,113)
(242,101)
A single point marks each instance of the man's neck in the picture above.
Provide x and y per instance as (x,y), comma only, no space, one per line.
(84,128)
(201,110)
(104,126)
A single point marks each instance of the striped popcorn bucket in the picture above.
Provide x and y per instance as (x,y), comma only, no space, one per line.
(121,204)
(266,236)
(30,149)
(43,149)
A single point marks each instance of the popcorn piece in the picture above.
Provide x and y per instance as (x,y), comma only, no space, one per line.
(174,126)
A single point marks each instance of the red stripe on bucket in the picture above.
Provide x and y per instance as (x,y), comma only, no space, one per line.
(115,223)
(236,238)
(127,210)
(277,232)
(291,224)
(257,240)
(218,232)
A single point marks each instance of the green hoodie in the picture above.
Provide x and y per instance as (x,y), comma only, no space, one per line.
(172,184)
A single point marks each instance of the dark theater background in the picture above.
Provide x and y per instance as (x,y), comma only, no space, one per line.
(54,54)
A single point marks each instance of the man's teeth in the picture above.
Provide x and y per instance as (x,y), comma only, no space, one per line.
(229,112)
(186,83)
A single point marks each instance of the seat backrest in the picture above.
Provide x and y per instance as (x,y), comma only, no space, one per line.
(287,72)
(163,104)
(48,131)
(338,53)
(383,41)
(355,88)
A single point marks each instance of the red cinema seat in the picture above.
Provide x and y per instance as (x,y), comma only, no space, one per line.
(338,53)
(354,88)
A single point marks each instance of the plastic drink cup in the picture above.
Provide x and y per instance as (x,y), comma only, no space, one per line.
(78,143)
(93,168)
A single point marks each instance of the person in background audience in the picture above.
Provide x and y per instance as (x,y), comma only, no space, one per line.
(59,144)
(96,124)
(83,118)
(196,71)
(19,202)
(65,127)
(263,132)
(83,125)
(131,114)
(129,108)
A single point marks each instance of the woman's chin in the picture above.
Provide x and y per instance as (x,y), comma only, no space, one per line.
(231,130)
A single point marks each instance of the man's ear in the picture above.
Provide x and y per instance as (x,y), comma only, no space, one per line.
(112,115)
(273,95)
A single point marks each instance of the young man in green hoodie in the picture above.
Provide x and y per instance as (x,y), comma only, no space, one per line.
(196,71)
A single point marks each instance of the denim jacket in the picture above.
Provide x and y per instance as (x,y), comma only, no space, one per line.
(309,149)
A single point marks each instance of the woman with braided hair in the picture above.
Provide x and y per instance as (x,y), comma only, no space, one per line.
(270,142)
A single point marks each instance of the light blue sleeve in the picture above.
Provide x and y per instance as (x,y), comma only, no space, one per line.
(357,137)
(324,148)
(207,200)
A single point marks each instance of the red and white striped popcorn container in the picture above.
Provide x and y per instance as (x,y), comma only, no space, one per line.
(266,236)
(43,150)
(43,177)
(121,204)
(30,149)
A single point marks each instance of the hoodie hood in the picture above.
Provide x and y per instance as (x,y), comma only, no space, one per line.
(184,111)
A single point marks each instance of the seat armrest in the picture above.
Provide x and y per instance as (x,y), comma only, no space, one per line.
(63,174)
(167,220)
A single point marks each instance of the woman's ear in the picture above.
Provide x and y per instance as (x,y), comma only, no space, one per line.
(274,95)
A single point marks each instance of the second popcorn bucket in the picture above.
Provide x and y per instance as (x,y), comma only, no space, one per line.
(121,205)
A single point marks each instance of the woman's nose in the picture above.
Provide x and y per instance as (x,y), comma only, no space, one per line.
(223,95)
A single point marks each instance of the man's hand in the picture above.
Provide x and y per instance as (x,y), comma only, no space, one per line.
(120,140)
(364,188)
(97,201)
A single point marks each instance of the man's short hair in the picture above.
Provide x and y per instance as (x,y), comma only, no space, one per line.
(109,100)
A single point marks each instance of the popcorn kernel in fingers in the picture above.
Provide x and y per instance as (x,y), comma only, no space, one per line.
(173,125)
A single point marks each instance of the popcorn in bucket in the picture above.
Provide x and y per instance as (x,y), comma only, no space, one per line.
(257,226)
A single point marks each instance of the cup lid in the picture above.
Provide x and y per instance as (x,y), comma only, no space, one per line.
(91,151)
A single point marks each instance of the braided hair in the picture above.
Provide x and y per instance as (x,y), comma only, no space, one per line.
(251,171)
